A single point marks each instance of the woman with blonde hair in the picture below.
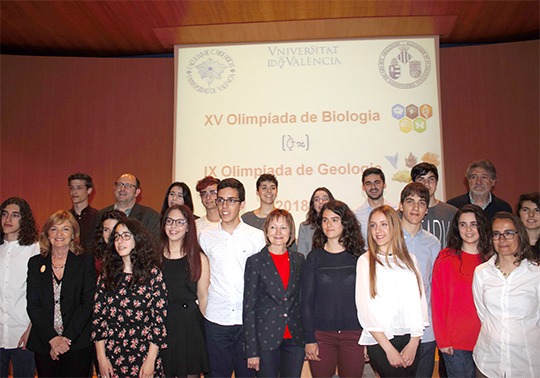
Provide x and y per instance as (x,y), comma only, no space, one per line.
(390,298)
(60,295)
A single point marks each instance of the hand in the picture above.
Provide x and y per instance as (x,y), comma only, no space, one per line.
(394,358)
(254,363)
(366,355)
(59,345)
(448,350)
(409,353)
(105,368)
(24,338)
(147,368)
(312,352)
(54,355)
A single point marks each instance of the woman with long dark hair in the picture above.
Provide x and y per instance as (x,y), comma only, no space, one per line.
(307,228)
(101,236)
(528,209)
(60,292)
(455,322)
(506,291)
(331,326)
(187,275)
(178,193)
(130,305)
(392,306)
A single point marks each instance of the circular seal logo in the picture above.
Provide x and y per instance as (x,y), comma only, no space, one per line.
(210,71)
(404,64)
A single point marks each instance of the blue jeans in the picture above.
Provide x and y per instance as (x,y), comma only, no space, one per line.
(285,361)
(460,365)
(426,359)
(22,361)
(225,346)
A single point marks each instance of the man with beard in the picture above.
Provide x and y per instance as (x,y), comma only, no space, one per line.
(373,183)
(482,177)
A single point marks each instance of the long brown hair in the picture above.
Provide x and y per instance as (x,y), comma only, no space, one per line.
(396,245)
(190,245)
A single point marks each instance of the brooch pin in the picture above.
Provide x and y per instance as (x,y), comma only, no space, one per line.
(42,268)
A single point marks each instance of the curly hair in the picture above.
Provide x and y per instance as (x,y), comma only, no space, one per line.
(455,241)
(312,215)
(98,245)
(351,238)
(397,246)
(190,245)
(28,233)
(59,217)
(143,256)
(186,193)
(524,251)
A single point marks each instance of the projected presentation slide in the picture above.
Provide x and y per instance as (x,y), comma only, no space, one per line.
(315,113)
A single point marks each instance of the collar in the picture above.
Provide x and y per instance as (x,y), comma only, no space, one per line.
(487,203)
(127,211)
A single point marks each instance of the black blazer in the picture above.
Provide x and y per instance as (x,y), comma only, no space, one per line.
(144,214)
(76,300)
(268,307)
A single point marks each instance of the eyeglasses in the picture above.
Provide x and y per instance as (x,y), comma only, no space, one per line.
(125,236)
(119,185)
(508,235)
(230,201)
(178,222)
(210,193)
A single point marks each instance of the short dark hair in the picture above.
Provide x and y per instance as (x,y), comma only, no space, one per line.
(373,171)
(233,183)
(82,176)
(486,164)
(415,188)
(266,177)
(205,183)
(534,197)
(423,169)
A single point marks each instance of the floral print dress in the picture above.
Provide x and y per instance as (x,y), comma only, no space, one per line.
(128,319)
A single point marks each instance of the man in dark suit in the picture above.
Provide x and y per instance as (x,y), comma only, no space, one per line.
(482,177)
(126,190)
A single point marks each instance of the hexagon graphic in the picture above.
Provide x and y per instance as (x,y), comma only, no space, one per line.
(398,111)
(419,125)
(412,111)
(426,111)
(405,125)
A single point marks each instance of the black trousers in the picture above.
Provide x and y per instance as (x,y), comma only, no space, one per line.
(380,363)
(73,363)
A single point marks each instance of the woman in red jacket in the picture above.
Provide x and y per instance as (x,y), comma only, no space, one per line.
(455,321)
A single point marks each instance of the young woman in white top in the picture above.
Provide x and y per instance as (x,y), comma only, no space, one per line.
(390,298)
(506,292)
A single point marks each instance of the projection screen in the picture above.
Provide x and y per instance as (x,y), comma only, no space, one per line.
(314,113)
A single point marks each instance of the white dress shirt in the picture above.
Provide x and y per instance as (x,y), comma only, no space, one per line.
(362,214)
(202,224)
(227,255)
(509,308)
(14,270)
(398,309)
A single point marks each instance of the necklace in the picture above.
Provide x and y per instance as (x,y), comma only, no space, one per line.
(500,270)
(58,268)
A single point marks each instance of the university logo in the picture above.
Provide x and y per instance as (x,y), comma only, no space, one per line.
(210,71)
(404,64)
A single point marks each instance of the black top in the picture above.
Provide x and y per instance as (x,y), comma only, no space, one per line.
(493,208)
(86,224)
(328,285)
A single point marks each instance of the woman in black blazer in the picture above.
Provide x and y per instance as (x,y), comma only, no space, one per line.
(273,333)
(60,295)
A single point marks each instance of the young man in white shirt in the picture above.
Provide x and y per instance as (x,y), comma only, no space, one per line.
(426,247)
(440,214)
(227,246)
(373,183)
(18,243)
(207,188)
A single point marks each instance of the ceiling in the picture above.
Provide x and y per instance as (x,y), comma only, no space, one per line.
(120,27)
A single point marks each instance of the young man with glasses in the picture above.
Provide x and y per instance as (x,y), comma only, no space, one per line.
(207,188)
(227,245)
(126,190)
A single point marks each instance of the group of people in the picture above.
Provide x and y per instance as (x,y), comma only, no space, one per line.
(135,293)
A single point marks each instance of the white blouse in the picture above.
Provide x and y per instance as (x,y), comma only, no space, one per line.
(509,309)
(398,309)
